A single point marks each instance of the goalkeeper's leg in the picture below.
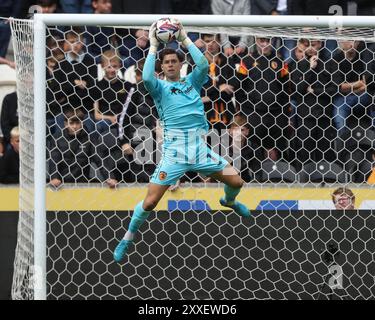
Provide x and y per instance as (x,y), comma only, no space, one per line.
(233,184)
(141,212)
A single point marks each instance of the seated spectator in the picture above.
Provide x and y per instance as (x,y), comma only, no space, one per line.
(134,47)
(142,7)
(55,97)
(110,93)
(274,7)
(343,199)
(51,6)
(73,151)
(9,115)
(311,89)
(298,55)
(141,113)
(100,39)
(132,148)
(10,161)
(352,73)
(7,9)
(77,75)
(191,7)
(222,7)
(48,6)
(371,178)
(54,48)
(74,6)
(259,89)
(217,92)
(140,125)
(241,151)
(317,47)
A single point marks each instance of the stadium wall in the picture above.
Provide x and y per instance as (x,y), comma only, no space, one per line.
(98,198)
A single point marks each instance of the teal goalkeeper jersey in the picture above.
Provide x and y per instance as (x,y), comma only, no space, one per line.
(179,104)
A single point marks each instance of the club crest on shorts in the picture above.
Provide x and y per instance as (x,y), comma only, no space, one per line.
(162,175)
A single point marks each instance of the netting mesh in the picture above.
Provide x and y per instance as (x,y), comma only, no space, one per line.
(274,112)
(23,40)
(202,256)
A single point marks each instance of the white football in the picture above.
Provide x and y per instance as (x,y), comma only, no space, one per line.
(167,30)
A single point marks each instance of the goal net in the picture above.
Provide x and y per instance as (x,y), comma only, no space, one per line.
(290,107)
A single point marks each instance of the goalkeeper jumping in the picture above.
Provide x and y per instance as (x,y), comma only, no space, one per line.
(182,116)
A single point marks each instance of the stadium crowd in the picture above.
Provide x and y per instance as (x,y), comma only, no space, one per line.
(288,106)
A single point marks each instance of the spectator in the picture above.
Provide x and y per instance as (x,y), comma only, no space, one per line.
(311,90)
(259,89)
(9,115)
(135,46)
(73,151)
(100,39)
(55,97)
(74,6)
(371,178)
(135,41)
(142,7)
(275,7)
(51,6)
(54,48)
(298,55)
(343,199)
(110,93)
(234,7)
(217,92)
(263,7)
(241,152)
(8,8)
(10,161)
(132,150)
(351,74)
(141,114)
(190,7)
(48,6)
(77,75)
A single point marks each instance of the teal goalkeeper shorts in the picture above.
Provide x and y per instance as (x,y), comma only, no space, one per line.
(176,161)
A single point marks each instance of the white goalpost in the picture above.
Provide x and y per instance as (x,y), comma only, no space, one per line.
(253,258)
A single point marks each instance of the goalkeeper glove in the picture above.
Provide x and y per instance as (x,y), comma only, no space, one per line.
(154,43)
(182,37)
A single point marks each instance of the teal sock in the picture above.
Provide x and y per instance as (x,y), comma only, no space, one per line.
(139,216)
(231,193)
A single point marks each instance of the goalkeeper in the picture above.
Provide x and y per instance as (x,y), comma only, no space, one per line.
(182,116)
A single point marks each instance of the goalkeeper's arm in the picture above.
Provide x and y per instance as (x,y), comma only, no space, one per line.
(200,71)
(148,74)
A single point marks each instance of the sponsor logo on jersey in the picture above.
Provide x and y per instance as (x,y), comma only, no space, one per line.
(162,175)
(175,90)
